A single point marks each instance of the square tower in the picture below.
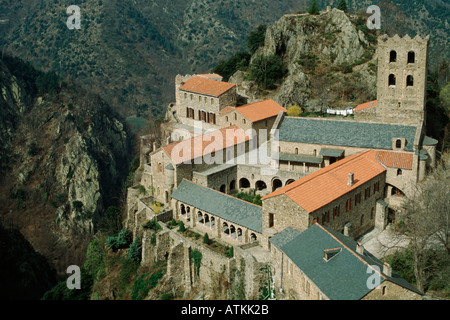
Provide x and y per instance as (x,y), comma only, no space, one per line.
(401,83)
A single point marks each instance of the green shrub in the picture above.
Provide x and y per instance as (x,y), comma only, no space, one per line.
(196,257)
(313,9)
(124,238)
(256,38)
(267,70)
(230,252)
(135,251)
(181,226)
(152,224)
(206,239)
(111,243)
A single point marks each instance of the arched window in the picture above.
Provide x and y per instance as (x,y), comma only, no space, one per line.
(399,172)
(411,57)
(192,97)
(409,81)
(392,80)
(362,219)
(296,150)
(398,144)
(235,116)
(393,56)
(185,95)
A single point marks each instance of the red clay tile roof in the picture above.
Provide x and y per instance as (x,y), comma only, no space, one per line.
(257,111)
(396,159)
(366,105)
(227,109)
(198,145)
(260,110)
(328,184)
(205,85)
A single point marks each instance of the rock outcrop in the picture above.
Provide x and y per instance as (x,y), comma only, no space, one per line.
(64,155)
(318,52)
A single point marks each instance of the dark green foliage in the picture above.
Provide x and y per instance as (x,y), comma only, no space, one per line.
(342,5)
(230,252)
(61,292)
(135,251)
(145,283)
(267,70)
(111,243)
(255,199)
(47,83)
(206,239)
(94,257)
(181,226)
(152,224)
(256,38)
(226,68)
(196,257)
(313,9)
(124,238)
(122,241)
(402,262)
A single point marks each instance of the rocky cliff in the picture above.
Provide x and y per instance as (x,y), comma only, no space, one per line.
(330,61)
(64,155)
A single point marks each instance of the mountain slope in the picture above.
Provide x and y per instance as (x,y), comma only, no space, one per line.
(130,51)
(63,157)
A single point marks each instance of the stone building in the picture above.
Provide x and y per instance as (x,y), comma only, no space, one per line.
(344,197)
(172,163)
(320,264)
(401,81)
(216,213)
(201,98)
(334,179)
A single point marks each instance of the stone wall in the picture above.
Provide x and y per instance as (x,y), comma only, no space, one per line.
(390,291)
(218,277)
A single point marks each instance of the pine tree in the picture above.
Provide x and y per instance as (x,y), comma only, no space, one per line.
(313,9)
(342,5)
(134,253)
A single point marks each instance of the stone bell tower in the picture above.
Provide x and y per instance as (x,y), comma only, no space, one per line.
(402,75)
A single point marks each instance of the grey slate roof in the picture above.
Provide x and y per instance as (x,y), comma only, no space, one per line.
(336,153)
(298,158)
(345,133)
(219,204)
(428,141)
(344,277)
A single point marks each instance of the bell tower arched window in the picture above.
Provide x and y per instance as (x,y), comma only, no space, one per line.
(393,56)
(409,81)
(392,80)
(411,57)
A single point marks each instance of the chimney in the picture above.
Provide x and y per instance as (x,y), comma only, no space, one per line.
(154,146)
(351,179)
(359,248)
(387,269)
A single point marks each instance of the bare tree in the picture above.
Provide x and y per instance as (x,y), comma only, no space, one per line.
(426,221)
